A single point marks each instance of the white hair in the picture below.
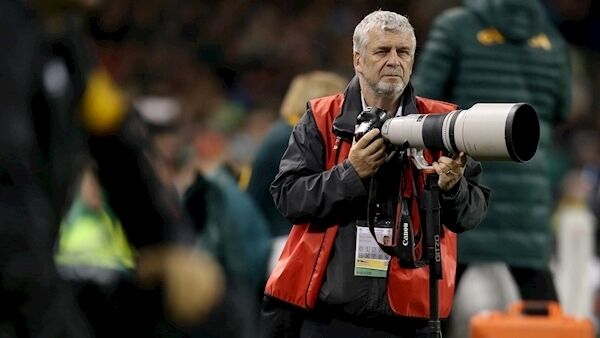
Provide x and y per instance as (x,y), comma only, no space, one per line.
(385,20)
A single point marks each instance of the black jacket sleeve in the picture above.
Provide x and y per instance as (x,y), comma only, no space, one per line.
(465,205)
(303,190)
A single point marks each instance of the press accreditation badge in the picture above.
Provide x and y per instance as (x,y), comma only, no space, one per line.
(369,259)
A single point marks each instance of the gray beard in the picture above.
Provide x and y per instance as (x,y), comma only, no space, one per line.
(387,90)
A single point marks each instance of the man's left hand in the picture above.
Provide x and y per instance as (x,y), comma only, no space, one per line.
(450,170)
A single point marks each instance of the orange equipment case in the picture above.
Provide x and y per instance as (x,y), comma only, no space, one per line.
(530,319)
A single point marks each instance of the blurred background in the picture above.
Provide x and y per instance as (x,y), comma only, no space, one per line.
(229,63)
(209,77)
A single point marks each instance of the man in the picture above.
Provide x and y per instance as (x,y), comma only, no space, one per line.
(317,288)
(505,51)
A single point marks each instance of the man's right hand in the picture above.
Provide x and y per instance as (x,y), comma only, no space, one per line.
(366,156)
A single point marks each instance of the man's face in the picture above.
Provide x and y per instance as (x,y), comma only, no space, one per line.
(386,62)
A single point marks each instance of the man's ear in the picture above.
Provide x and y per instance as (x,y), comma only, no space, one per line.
(356,61)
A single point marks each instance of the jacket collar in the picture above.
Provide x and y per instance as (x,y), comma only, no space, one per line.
(343,125)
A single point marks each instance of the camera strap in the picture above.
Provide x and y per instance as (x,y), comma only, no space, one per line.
(404,246)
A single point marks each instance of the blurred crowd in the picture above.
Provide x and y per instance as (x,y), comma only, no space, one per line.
(221,64)
(209,78)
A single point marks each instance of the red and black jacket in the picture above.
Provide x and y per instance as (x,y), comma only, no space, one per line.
(321,194)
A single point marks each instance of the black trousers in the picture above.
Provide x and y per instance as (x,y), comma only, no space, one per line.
(282,320)
(533,284)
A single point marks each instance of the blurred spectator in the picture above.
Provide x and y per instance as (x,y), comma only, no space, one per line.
(266,163)
(57,107)
(505,51)
(232,228)
(91,235)
(93,254)
(575,246)
(241,237)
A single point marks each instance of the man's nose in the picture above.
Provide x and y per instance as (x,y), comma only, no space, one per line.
(393,59)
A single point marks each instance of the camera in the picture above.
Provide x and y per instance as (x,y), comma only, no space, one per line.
(486,131)
(369,119)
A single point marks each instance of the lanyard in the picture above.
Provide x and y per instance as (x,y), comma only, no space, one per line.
(404,245)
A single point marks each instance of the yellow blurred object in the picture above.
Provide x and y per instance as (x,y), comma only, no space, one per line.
(292,120)
(103,105)
(490,36)
(244,179)
(540,41)
(193,281)
(93,239)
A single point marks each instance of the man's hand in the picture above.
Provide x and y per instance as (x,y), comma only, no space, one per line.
(366,156)
(450,170)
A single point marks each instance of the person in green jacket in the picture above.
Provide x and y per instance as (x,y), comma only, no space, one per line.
(505,51)
(265,166)
(230,226)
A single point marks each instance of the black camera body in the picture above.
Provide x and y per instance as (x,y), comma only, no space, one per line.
(368,120)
